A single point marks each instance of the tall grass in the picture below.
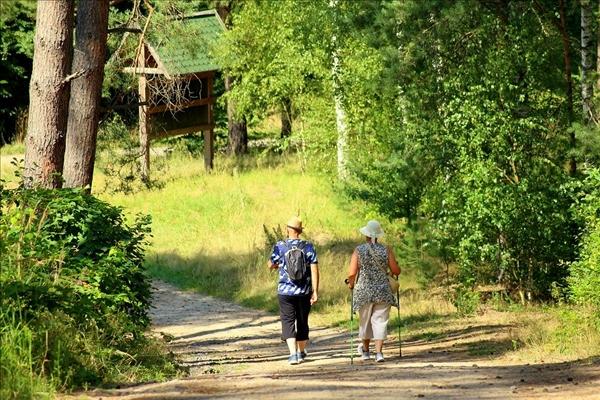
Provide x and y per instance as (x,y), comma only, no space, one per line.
(214,232)
(18,379)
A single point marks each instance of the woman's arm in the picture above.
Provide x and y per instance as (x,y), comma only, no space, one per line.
(353,269)
(393,264)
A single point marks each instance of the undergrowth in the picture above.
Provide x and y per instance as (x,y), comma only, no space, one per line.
(75,295)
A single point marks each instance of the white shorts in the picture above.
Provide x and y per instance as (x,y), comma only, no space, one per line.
(374,318)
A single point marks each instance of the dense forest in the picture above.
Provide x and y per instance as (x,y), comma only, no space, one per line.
(473,124)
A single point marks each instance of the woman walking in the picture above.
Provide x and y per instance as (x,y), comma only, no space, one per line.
(373,296)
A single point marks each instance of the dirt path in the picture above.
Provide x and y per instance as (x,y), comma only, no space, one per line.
(236,353)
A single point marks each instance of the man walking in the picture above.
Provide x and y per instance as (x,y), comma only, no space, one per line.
(298,287)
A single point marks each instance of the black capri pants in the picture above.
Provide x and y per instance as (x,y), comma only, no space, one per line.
(293,311)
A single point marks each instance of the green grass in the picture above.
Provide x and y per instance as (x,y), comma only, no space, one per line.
(13,149)
(18,380)
(214,232)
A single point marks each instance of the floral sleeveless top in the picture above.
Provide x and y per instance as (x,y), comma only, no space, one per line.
(372,285)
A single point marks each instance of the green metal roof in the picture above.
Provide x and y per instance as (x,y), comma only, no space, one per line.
(189,51)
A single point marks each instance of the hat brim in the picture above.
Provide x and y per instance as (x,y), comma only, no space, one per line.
(365,231)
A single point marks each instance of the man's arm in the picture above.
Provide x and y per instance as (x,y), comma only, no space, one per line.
(273,262)
(314,271)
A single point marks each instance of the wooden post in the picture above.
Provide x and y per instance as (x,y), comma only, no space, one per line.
(210,98)
(209,136)
(143,120)
(209,139)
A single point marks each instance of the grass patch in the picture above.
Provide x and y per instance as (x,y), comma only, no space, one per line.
(214,232)
(13,149)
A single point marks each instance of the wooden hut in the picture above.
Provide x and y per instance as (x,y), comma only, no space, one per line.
(176,78)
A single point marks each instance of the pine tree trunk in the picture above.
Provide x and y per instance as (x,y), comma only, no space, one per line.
(587,60)
(88,58)
(598,56)
(286,118)
(49,94)
(568,78)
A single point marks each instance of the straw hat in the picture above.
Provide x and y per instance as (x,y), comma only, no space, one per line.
(295,223)
(372,229)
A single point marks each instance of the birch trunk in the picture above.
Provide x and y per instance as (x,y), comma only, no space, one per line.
(340,113)
(90,51)
(49,94)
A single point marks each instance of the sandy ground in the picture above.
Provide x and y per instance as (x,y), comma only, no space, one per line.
(236,353)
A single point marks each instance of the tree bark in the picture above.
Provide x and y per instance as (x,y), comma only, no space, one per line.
(286,118)
(238,130)
(340,113)
(236,126)
(49,94)
(88,58)
(598,56)
(569,80)
(340,116)
(587,60)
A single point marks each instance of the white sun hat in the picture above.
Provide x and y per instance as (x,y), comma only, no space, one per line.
(372,229)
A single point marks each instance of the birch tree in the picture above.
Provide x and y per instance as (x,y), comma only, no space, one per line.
(49,94)
(340,113)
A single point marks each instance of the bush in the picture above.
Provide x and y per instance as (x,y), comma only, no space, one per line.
(585,273)
(466,300)
(75,294)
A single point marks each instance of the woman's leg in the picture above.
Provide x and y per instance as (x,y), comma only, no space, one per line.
(365,329)
(379,320)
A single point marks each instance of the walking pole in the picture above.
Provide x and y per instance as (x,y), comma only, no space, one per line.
(351,320)
(399,321)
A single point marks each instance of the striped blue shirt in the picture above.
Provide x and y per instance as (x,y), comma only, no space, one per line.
(286,286)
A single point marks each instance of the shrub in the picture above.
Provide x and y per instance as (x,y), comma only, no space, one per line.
(73,286)
(466,300)
(585,273)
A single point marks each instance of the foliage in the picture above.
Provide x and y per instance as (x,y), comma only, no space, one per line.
(273,61)
(118,158)
(585,272)
(75,294)
(17,20)
(465,300)
(473,139)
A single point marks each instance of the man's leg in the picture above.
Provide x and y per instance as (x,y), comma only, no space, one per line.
(302,312)
(287,314)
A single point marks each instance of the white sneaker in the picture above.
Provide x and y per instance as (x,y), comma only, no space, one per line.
(365,355)
(379,357)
